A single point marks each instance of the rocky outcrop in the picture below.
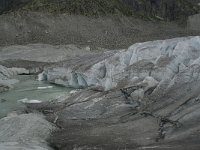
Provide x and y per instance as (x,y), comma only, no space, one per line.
(24,132)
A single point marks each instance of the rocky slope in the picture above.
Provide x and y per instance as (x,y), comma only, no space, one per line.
(106,32)
(104,23)
(166,9)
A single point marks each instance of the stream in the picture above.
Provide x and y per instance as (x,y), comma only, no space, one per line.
(29,88)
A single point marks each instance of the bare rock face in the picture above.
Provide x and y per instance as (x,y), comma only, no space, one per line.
(149,98)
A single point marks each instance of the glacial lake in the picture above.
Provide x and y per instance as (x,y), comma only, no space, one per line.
(29,88)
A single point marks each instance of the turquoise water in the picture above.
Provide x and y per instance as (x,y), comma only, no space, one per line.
(28,88)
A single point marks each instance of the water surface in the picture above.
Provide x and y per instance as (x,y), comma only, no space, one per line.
(28,88)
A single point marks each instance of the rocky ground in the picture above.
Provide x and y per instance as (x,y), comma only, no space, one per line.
(111,32)
(143,97)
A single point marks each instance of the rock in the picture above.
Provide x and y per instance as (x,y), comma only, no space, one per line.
(24,132)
